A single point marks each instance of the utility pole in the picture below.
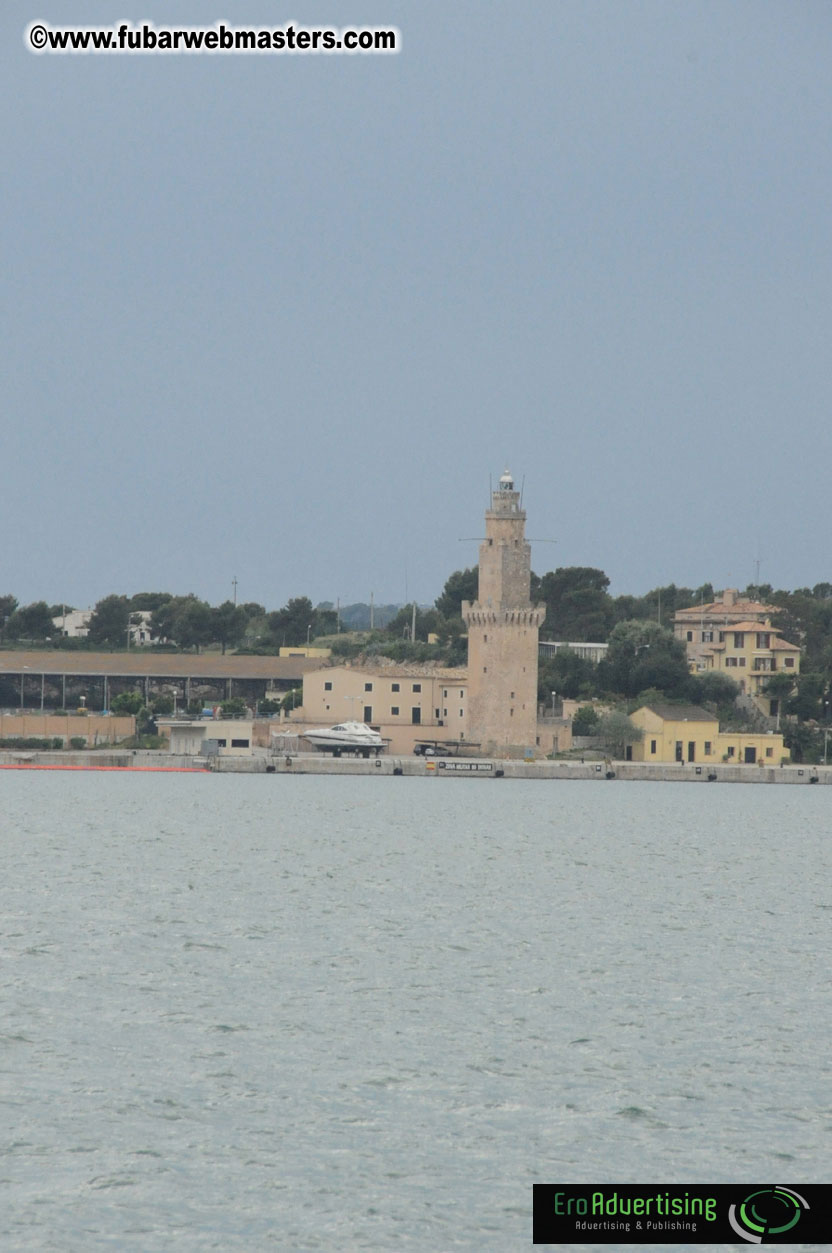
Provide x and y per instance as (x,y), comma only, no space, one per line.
(234,585)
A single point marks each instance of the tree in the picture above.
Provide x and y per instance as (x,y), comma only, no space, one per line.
(585,721)
(234,707)
(807,702)
(428,621)
(8,604)
(184,619)
(567,674)
(713,686)
(578,606)
(290,626)
(462,585)
(643,655)
(31,622)
(617,731)
(292,700)
(228,624)
(193,624)
(127,703)
(109,622)
(148,602)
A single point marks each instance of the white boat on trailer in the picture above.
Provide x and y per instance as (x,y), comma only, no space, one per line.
(346,737)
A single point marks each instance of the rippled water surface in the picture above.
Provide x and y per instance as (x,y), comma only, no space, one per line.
(331,1013)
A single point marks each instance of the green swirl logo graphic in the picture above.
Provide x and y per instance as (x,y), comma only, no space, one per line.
(767,1214)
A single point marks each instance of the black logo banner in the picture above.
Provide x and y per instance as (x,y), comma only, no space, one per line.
(690,1213)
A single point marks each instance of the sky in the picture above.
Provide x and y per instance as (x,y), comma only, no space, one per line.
(281,318)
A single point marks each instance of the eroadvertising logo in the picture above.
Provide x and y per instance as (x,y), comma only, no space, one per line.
(682,1214)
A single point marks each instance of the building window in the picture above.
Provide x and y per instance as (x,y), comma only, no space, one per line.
(739,639)
(444,713)
(652,746)
(395,687)
(707,637)
(417,687)
(445,693)
(416,715)
(731,750)
(722,637)
(436,713)
(769,752)
(461,693)
(763,639)
(327,687)
(461,713)
(368,687)
(368,713)
(239,744)
(485,639)
(222,743)
(707,748)
(742,661)
(690,637)
(394,711)
(485,669)
(512,695)
(789,662)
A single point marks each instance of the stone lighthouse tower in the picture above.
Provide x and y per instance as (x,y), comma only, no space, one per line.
(503,628)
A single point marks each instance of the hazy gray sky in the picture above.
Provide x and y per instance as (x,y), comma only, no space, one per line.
(281,317)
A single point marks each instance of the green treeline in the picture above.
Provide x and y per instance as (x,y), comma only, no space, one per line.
(643,656)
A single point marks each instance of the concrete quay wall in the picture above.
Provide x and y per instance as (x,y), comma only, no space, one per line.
(483,768)
(419,767)
(141,759)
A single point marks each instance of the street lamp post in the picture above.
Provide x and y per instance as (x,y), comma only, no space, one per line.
(554,695)
(308,630)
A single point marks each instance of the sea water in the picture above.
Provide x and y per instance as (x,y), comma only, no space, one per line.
(256,1012)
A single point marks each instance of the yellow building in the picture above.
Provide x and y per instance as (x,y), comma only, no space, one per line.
(304,650)
(405,703)
(750,653)
(699,627)
(687,733)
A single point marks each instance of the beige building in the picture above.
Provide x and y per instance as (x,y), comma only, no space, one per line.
(699,627)
(227,737)
(503,630)
(750,653)
(405,703)
(686,733)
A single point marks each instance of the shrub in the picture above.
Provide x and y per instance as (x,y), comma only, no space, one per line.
(585,721)
(233,708)
(78,741)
